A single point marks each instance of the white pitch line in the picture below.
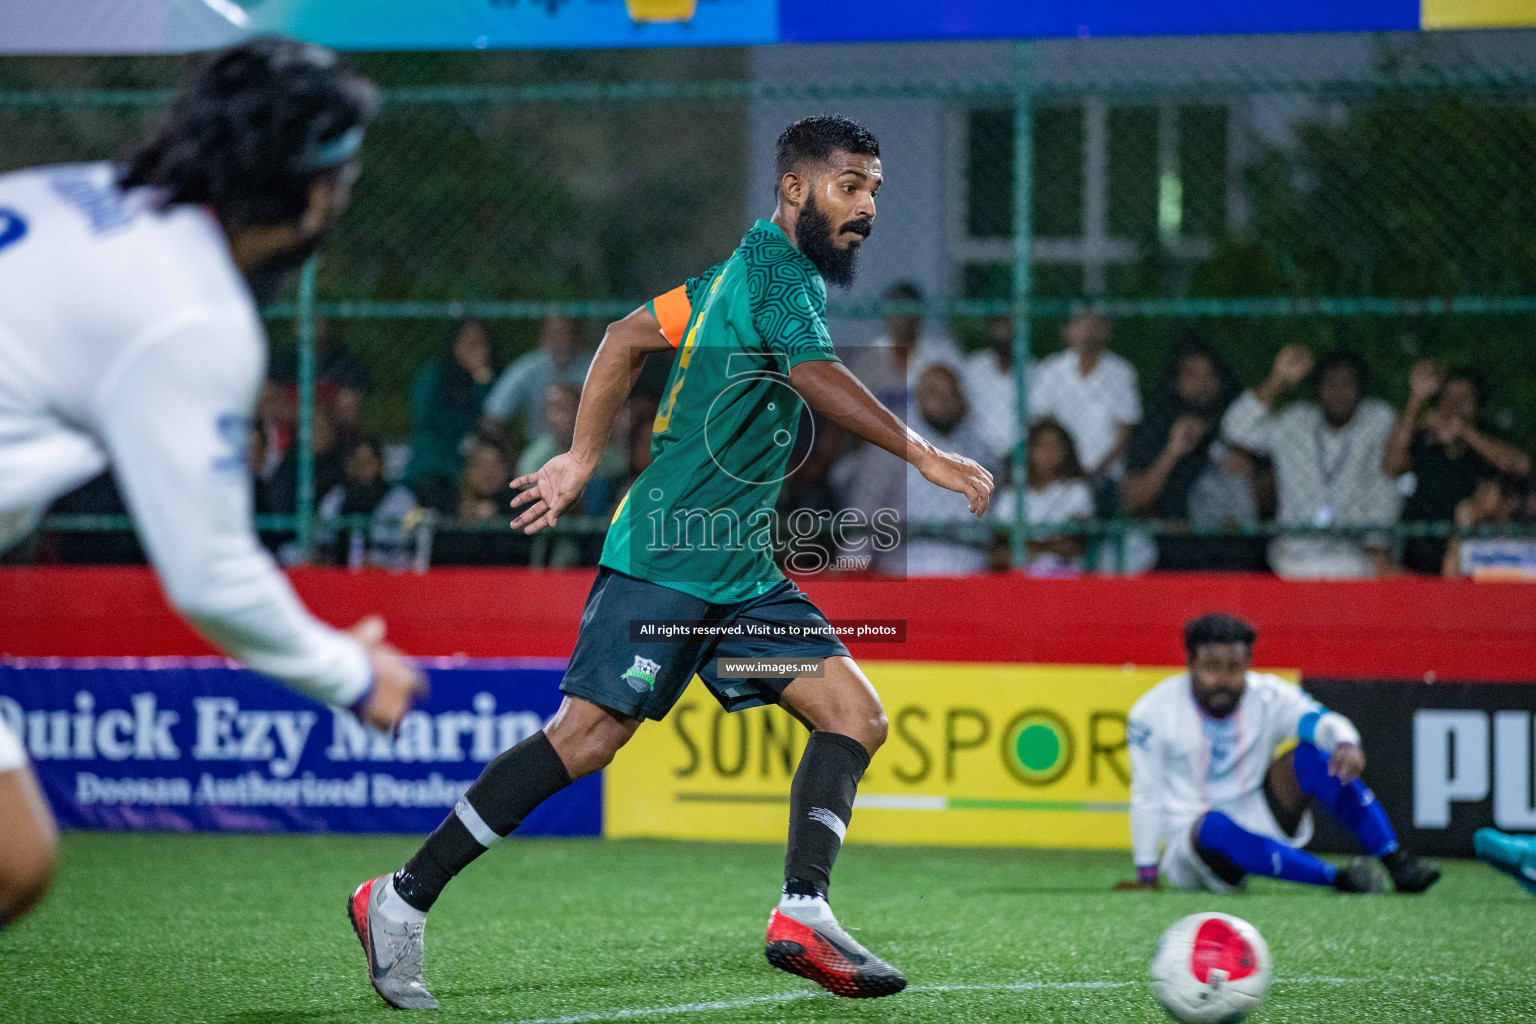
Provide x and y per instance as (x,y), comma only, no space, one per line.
(794,997)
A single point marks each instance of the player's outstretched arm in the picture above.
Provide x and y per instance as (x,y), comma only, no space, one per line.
(832,390)
(615,367)
(174,417)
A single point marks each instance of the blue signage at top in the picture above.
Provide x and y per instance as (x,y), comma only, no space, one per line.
(161,26)
(519,24)
(814,21)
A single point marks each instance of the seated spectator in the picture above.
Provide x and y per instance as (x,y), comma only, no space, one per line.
(1445,451)
(1495,501)
(640,414)
(520,391)
(1091,393)
(389,539)
(941,538)
(341,378)
(1179,470)
(891,366)
(483,514)
(280,493)
(1056,491)
(1327,457)
(485,494)
(988,378)
(558,430)
(446,397)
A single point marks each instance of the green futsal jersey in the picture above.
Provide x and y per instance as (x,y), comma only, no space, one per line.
(700,518)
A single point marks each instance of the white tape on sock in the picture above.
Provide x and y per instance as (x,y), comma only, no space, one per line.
(477,827)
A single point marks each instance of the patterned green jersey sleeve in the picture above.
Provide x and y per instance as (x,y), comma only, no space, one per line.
(789,311)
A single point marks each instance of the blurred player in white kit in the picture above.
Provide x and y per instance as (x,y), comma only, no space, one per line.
(130,338)
(1226,764)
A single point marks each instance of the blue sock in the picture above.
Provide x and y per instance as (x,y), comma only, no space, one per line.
(1354,806)
(1258,855)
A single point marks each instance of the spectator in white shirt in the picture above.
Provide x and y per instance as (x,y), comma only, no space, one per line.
(891,366)
(521,389)
(1091,392)
(950,542)
(1328,463)
(1056,492)
(989,387)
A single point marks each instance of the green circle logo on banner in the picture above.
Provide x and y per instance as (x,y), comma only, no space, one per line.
(1037,747)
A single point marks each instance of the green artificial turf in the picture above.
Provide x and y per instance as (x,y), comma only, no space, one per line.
(252,930)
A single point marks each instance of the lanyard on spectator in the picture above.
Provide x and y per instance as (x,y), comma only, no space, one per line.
(1329,474)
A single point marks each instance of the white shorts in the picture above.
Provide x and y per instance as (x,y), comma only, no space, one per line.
(1183,868)
(12,756)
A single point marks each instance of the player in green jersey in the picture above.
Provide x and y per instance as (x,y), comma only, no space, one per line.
(693,541)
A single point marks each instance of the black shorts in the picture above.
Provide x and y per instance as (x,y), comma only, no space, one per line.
(644,679)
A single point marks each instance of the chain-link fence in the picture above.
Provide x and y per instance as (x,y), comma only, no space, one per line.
(1171,291)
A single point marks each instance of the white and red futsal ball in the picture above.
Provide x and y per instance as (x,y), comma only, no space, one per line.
(1211,969)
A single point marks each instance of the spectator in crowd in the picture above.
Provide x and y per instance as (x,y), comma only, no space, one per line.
(341,378)
(482,514)
(1495,501)
(988,378)
(1091,392)
(281,493)
(1328,457)
(1056,491)
(1446,451)
(520,391)
(892,365)
(446,397)
(485,494)
(1178,469)
(363,491)
(940,538)
(640,414)
(558,430)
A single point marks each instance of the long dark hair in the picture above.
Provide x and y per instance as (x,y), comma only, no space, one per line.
(253,129)
(1071,466)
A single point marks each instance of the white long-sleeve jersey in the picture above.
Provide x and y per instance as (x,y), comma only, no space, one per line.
(128,338)
(1184,763)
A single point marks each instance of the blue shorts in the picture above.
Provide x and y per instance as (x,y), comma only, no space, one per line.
(644,679)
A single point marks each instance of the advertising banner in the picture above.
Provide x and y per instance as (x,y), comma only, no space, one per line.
(170,26)
(813,21)
(978,755)
(195,744)
(1444,758)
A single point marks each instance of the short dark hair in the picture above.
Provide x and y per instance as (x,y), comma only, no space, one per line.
(253,129)
(1216,628)
(1344,356)
(817,138)
(904,291)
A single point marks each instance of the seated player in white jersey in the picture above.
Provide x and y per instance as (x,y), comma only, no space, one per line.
(1226,764)
(130,338)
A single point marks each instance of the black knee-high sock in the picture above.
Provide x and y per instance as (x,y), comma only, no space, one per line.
(511,786)
(820,807)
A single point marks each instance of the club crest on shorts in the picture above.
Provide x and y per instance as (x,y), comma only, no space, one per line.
(641,676)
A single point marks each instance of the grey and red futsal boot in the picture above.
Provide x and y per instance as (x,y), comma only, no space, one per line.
(804,938)
(394,945)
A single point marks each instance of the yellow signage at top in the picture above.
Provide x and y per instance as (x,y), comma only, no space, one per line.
(661,10)
(1478,13)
